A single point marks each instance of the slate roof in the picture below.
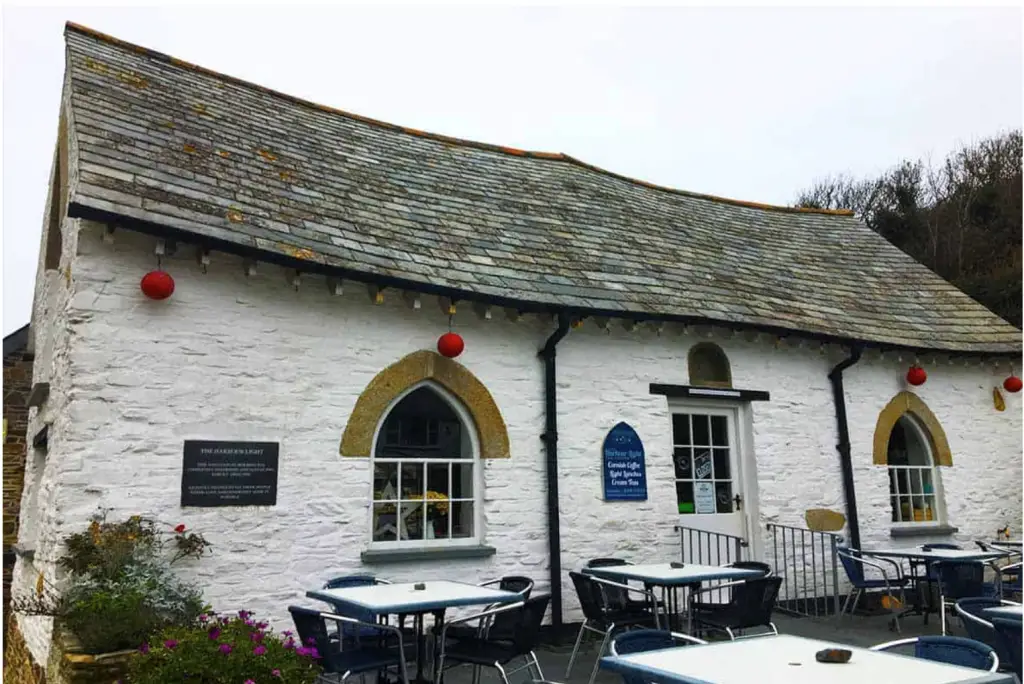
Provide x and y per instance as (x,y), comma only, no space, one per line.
(162,141)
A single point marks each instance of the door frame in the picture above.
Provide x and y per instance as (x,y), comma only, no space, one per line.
(746,480)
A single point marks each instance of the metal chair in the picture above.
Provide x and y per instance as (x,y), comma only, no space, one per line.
(958,580)
(374,655)
(599,618)
(641,640)
(980,628)
(615,597)
(948,649)
(854,563)
(751,605)
(361,580)
(1010,632)
(487,652)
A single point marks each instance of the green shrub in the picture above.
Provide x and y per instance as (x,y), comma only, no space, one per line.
(224,650)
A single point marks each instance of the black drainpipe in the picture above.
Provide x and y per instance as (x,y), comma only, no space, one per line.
(550,439)
(845,461)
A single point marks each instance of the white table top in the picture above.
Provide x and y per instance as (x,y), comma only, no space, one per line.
(1004,612)
(786,659)
(663,574)
(1006,542)
(393,599)
(936,554)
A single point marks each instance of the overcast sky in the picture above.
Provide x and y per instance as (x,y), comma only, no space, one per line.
(747,103)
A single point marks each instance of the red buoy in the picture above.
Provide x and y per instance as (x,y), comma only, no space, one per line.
(157,285)
(1013,384)
(450,345)
(916,375)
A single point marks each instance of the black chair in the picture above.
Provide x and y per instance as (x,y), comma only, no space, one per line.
(615,597)
(354,632)
(979,627)
(1010,632)
(763,568)
(751,605)
(958,580)
(487,652)
(359,657)
(643,640)
(599,618)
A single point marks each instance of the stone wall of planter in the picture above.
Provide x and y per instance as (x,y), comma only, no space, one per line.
(70,665)
(19,668)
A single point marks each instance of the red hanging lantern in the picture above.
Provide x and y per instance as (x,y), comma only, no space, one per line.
(916,375)
(157,285)
(450,345)
(1013,384)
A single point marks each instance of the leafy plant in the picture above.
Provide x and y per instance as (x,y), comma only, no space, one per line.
(121,587)
(234,649)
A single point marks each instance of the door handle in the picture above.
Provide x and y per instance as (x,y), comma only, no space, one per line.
(739,501)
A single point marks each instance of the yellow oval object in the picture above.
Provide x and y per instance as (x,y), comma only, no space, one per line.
(997,399)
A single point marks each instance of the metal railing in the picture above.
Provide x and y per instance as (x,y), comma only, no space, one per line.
(808,562)
(710,548)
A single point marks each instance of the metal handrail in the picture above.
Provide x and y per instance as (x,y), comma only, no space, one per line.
(809,562)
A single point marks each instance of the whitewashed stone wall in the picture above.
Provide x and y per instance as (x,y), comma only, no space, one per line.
(231,357)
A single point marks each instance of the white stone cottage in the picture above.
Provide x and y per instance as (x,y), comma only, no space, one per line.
(317,258)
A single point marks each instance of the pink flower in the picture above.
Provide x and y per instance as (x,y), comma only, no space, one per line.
(144,648)
(289,644)
(214,633)
(248,681)
(225,648)
(170,643)
(179,529)
(287,633)
(275,672)
(244,614)
(204,617)
(311,641)
(259,650)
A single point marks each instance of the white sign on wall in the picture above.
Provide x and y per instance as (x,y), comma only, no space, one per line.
(704,497)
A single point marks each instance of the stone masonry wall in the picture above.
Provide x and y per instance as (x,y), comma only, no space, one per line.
(231,357)
(17,385)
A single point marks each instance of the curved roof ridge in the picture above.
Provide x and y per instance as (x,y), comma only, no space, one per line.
(556,156)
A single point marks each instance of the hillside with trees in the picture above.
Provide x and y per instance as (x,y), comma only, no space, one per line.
(961,217)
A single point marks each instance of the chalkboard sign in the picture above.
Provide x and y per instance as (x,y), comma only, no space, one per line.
(625,474)
(229,473)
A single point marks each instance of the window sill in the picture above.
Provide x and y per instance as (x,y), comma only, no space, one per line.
(381,556)
(936,530)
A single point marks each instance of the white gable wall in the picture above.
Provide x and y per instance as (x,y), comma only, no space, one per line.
(230,357)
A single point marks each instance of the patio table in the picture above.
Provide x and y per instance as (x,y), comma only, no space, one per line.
(1009,612)
(786,659)
(669,579)
(404,599)
(934,556)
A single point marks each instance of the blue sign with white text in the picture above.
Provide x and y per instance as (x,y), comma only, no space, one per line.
(625,474)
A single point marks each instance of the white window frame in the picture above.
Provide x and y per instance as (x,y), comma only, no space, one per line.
(469,432)
(916,471)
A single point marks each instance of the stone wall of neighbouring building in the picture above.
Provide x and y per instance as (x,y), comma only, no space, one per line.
(17,385)
(19,666)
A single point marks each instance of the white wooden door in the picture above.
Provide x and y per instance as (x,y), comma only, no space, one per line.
(708,458)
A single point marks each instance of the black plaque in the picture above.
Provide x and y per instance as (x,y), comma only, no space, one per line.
(229,473)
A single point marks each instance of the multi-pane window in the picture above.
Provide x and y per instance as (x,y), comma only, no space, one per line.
(424,486)
(703,463)
(913,486)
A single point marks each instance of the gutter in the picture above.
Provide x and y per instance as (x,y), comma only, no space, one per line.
(843,447)
(550,439)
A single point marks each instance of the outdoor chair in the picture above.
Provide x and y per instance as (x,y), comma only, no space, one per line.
(641,640)
(948,649)
(1010,580)
(487,652)
(354,632)
(751,605)
(616,597)
(371,655)
(854,564)
(726,587)
(980,628)
(1010,632)
(959,580)
(599,618)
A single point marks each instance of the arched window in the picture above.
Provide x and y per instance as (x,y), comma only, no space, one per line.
(425,480)
(914,486)
(709,365)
